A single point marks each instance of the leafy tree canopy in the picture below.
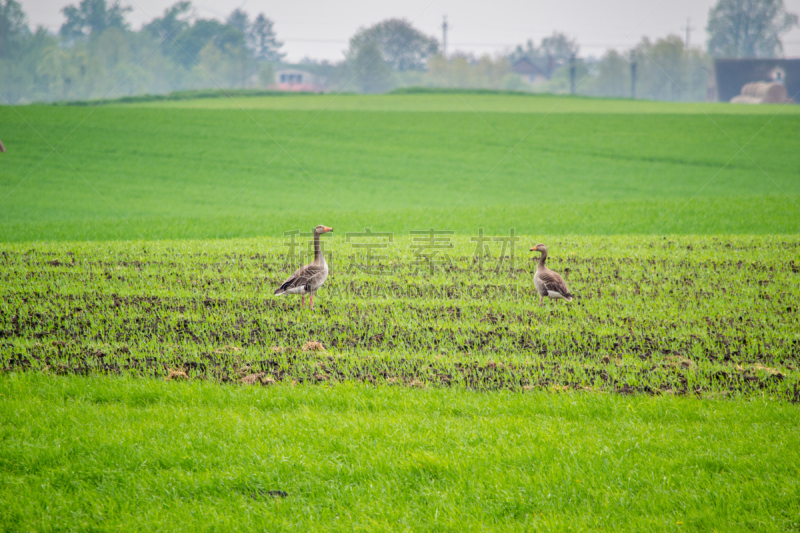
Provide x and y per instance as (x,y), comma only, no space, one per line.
(553,52)
(240,20)
(172,23)
(748,28)
(13,27)
(402,46)
(192,40)
(371,71)
(263,40)
(93,17)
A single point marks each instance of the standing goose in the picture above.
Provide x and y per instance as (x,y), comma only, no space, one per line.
(548,283)
(307,279)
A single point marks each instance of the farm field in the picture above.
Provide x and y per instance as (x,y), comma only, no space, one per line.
(679,315)
(136,172)
(149,379)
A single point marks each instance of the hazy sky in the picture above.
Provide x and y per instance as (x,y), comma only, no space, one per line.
(321,29)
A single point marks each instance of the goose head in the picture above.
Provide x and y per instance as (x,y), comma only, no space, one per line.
(539,248)
(322,229)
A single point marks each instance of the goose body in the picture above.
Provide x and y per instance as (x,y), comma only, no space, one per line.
(307,279)
(547,282)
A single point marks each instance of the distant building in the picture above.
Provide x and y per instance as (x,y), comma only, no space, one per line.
(298,80)
(731,75)
(530,72)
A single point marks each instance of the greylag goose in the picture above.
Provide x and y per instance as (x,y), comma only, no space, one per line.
(307,279)
(548,283)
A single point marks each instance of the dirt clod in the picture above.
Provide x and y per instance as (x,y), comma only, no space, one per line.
(176,375)
(228,348)
(313,346)
(261,378)
(682,362)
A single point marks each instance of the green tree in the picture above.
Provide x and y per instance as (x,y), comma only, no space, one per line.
(462,71)
(266,75)
(553,52)
(402,46)
(192,40)
(613,76)
(20,53)
(240,20)
(748,28)
(170,26)
(371,71)
(667,71)
(559,47)
(13,29)
(263,40)
(93,17)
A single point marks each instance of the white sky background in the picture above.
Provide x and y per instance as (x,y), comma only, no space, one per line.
(321,29)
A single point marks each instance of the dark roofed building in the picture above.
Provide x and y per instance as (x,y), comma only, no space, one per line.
(731,75)
(525,68)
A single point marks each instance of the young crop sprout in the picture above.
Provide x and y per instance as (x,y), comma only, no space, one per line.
(307,279)
(548,283)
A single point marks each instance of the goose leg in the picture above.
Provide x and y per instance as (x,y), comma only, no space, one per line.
(540,299)
(302,300)
(311,300)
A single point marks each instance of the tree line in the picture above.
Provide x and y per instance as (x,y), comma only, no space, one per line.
(96,55)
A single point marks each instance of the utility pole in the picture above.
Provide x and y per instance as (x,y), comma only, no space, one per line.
(689,76)
(688,29)
(444,37)
(572,73)
(633,73)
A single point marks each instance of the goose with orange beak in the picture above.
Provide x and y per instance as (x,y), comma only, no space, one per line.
(548,283)
(307,279)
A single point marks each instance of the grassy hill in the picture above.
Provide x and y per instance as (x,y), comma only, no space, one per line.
(263,165)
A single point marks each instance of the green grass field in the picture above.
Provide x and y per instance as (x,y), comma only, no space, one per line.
(138,172)
(106,454)
(143,241)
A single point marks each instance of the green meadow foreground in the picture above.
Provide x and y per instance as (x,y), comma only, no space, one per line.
(109,454)
(149,379)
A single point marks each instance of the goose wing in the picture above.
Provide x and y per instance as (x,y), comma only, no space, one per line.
(302,277)
(553,282)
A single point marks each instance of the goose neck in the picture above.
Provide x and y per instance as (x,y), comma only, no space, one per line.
(318,256)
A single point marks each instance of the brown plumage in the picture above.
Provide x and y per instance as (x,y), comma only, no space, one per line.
(548,283)
(307,279)
(2,148)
